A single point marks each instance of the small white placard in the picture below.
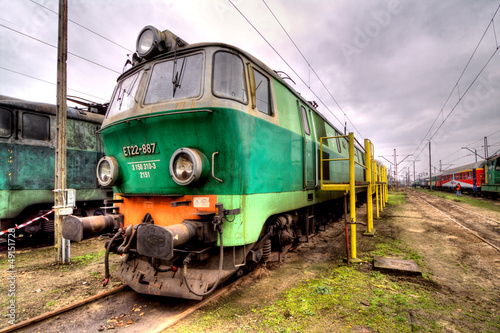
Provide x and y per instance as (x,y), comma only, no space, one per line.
(201,202)
(65,211)
(70,197)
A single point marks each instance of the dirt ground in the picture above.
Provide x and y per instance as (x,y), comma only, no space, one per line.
(462,266)
(41,286)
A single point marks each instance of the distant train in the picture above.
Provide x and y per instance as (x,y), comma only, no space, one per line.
(481,177)
(214,160)
(27,150)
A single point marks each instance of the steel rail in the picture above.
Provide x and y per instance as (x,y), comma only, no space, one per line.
(470,211)
(61,310)
(458,223)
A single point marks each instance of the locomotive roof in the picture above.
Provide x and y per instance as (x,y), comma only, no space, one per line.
(73,113)
(492,158)
(198,46)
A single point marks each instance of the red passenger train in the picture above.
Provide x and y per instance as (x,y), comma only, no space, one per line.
(469,176)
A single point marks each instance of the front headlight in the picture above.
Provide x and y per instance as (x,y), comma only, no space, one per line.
(107,171)
(188,165)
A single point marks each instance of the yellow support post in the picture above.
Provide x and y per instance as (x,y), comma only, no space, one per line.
(386,186)
(321,166)
(352,195)
(369,191)
(382,178)
(377,187)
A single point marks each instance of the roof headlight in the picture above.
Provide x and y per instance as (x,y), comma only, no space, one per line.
(187,166)
(107,171)
(148,42)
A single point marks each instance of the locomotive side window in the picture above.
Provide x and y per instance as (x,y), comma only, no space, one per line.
(305,121)
(124,97)
(175,79)
(36,127)
(229,77)
(262,93)
(5,123)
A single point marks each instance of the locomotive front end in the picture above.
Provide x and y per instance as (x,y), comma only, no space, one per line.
(165,137)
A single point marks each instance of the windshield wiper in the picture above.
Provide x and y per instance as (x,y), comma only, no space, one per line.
(178,76)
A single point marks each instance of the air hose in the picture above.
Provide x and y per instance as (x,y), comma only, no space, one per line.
(106,258)
(221,262)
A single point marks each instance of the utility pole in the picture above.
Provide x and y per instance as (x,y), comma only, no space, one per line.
(395,164)
(395,170)
(61,245)
(430,167)
(485,147)
(414,179)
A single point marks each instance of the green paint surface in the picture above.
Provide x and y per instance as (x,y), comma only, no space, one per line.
(261,163)
(27,168)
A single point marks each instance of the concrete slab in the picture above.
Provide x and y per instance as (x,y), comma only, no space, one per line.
(396,265)
(370,234)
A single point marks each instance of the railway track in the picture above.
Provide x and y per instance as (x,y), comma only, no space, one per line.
(485,228)
(124,310)
(119,310)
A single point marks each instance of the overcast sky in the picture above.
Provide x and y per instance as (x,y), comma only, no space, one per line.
(392,66)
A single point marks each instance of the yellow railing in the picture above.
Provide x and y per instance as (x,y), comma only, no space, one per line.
(375,182)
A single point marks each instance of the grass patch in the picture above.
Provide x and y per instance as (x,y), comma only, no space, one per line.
(396,198)
(343,300)
(88,258)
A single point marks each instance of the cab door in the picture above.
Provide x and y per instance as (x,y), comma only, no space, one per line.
(309,147)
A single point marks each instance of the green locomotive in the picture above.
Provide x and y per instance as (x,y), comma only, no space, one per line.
(27,141)
(491,186)
(214,162)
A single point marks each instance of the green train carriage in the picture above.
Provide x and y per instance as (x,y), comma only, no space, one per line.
(214,162)
(27,152)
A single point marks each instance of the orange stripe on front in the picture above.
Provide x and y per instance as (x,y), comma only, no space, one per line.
(160,208)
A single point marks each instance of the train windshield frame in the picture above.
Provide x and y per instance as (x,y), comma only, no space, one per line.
(175,79)
(124,97)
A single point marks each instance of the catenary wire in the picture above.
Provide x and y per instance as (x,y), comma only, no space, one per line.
(456,86)
(310,66)
(48,44)
(283,59)
(81,26)
(52,83)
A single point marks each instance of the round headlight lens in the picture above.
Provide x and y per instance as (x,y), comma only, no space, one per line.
(107,171)
(183,167)
(187,166)
(147,42)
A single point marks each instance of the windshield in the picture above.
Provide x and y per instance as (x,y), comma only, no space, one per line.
(124,97)
(175,79)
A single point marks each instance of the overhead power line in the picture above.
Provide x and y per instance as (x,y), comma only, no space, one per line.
(48,82)
(456,85)
(83,27)
(310,66)
(48,44)
(283,59)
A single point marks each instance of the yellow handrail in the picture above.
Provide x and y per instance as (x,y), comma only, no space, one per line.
(375,176)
